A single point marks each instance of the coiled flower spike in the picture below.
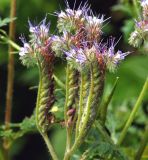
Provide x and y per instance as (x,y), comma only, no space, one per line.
(92,63)
(38,51)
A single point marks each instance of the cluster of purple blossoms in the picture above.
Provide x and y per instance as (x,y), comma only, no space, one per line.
(81,39)
(85,55)
(39,43)
(141,27)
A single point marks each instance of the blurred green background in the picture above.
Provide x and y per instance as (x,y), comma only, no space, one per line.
(132,72)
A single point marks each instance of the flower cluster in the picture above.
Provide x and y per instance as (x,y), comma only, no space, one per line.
(39,43)
(81,39)
(141,27)
(85,55)
(88,57)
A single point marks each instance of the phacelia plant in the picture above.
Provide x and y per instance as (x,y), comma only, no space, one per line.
(88,58)
(79,42)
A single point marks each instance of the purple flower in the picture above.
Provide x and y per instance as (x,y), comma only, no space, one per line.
(144,3)
(40,31)
(95,21)
(26,47)
(76,55)
(111,57)
(24,50)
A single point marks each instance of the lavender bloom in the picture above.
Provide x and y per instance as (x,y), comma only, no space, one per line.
(142,26)
(95,21)
(72,19)
(40,39)
(60,43)
(39,44)
(93,27)
(85,55)
(26,47)
(77,55)
(69,13)
(144,3)
(111,57)
(41,31)
(140,34)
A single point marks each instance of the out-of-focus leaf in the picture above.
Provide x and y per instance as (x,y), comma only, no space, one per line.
(28,124)
(127,29)
(8,133)
(132,73)
(104,106)
(145,154)
(125,8)
(5,21)
(104,151)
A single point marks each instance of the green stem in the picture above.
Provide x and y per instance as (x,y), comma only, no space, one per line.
(143,145)
(133,113)
(59,82)
(10,42)
(13,44)
(104,107)
(135,2)
(68,132)
(103,133)
(50,147)
(10,78)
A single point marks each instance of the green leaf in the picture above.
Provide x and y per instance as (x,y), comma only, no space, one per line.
(126,8)
(28,124)
(104,106)
(127,29)
(4,22)
(104,151)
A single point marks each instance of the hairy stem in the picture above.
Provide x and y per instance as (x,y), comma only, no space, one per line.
(135,2)
(142,145)
(10,42)
(133,113)
(50,147)
(10,77)
(104,134)
(102,113)
(59,82)
(68,141)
